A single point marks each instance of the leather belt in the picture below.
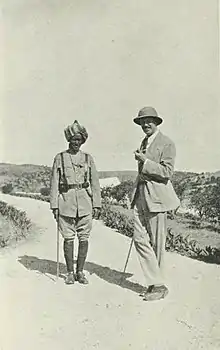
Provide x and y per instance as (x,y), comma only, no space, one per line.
(78,186)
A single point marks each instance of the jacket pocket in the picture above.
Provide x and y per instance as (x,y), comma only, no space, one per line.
(152,192)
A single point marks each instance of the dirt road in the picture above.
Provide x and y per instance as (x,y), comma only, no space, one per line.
(40,313)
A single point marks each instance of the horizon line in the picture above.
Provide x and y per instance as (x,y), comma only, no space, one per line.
(110,170)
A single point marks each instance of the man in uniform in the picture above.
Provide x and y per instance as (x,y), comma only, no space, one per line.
(152,198)
(75,198)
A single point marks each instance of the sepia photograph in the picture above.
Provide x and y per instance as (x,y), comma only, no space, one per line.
(109,175)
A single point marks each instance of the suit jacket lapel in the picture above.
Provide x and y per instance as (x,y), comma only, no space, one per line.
(155,142)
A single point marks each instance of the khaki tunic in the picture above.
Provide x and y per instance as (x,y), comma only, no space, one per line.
(75,202)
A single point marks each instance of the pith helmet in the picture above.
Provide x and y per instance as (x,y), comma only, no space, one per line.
(148,112)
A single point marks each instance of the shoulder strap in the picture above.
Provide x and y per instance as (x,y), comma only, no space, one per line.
(86,179)
(63,168)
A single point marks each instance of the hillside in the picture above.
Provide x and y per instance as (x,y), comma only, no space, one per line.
(10,171)
(17,170)
(31,178)
(25,177)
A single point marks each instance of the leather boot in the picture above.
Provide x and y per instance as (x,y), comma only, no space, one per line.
(68,248)
(82,254)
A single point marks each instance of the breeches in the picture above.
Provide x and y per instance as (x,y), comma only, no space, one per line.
(70,227)
(150,232)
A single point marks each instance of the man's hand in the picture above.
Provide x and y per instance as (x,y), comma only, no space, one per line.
(96,213)
(140,156)
(55,213)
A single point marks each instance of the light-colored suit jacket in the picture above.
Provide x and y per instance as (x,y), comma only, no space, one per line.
(80,201)
(156,174)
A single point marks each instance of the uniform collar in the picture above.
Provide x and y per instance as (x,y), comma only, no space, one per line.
(77,159)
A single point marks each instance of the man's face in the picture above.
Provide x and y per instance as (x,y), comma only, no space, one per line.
(148,125)
(75,142)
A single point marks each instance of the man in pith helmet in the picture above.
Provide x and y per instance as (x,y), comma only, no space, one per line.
(152,198)
(75,198)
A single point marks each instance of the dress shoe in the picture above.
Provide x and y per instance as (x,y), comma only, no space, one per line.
(157,293)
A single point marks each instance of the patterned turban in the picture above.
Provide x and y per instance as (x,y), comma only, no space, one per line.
(74,129)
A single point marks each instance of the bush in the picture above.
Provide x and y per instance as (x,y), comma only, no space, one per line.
(106,192)
(18,217)
(118,194)
(190,248)
(117,220)
(206,201)
(45,191)
(122,220)
(33,196)
(14,224)
(8,188)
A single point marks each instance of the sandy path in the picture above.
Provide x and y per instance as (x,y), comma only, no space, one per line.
(39,313)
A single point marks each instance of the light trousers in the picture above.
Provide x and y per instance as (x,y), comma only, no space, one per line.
(150,231)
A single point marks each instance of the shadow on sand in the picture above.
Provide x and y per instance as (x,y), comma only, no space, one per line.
(45,266)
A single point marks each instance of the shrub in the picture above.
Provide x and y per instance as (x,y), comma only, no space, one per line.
(18,217)
(118,194)
(117,220)
(106,192)
(206,201)
(7,188)
(33,196)
(14,224)
(121,191)
(190,248)
(122,221)
(45,191)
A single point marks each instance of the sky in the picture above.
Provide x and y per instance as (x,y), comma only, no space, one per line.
(100,62)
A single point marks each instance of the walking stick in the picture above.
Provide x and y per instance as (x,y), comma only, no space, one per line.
(58,249)
(129,253)
(132,240)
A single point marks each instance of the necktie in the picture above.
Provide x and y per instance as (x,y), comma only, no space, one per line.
(144,144)
(143,150)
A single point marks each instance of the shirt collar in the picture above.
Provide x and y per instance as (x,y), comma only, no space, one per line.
(152,137)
